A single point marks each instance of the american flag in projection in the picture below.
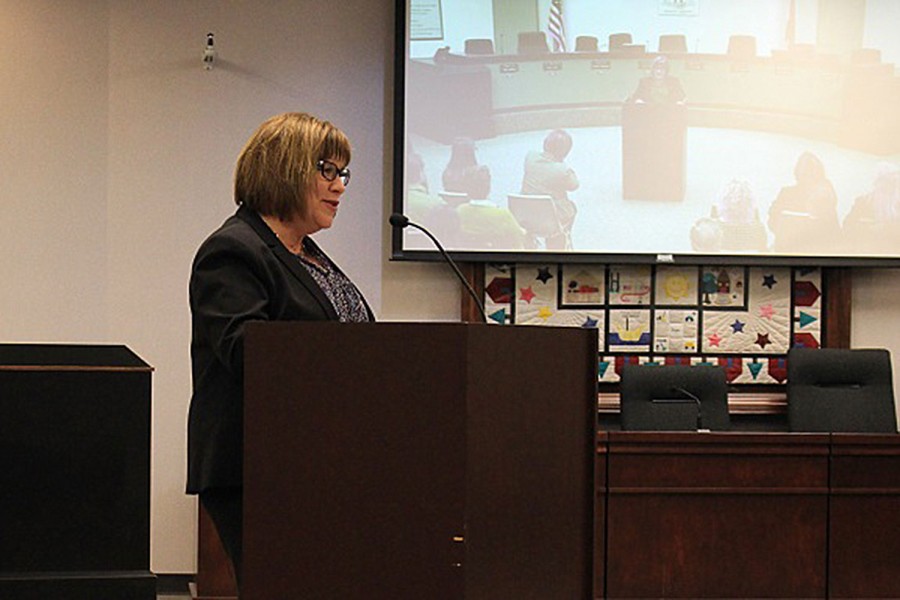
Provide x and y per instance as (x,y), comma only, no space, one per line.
(790,32)
(556,27)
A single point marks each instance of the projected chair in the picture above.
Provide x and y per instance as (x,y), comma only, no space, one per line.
(674,398)
(454,199)
(742,47)
(832,389)
(673,43)
(533,42)
(536,213)
(442,221)
(479,46)
(586,43)
(618,40)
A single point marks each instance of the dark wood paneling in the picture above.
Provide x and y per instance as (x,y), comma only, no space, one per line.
(837,284)
(600,478)
(716,516)
(864,558)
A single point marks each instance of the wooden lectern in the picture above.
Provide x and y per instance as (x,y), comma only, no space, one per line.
(407,461)
(654,151)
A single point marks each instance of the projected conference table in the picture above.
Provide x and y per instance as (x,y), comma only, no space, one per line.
(742,515)
(820,98)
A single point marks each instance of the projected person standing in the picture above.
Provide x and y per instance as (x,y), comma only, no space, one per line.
(547,173)
(659,87)
(654,137)
(803,217)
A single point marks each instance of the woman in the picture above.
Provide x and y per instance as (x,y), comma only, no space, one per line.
(261,265)
(803,217)
(742,229)
(659,87)
(873,223)
(463,174)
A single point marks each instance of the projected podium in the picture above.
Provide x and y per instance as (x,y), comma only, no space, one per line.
(654,139)
(408,461)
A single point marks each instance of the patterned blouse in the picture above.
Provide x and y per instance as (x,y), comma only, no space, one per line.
(344,296)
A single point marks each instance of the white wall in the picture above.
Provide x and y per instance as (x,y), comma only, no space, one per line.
(876,316)
(53,165)
(116,160)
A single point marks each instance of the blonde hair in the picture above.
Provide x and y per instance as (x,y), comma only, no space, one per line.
(277,166)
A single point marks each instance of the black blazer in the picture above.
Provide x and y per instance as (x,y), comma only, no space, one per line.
(241,273)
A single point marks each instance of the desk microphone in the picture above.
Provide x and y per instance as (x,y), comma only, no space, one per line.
(401,221)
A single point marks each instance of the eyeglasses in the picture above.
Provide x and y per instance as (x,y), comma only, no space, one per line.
(330,171)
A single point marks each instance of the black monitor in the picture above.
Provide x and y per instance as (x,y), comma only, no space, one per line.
(674,398)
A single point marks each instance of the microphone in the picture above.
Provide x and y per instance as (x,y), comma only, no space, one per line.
(689,398)
(401,221)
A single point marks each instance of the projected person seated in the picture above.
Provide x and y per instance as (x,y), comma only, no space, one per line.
(733,224)
(463,174)
(873,224)
(659,87)
(427,209)
(547,173)
(419,200)
(803,218)
(485,225)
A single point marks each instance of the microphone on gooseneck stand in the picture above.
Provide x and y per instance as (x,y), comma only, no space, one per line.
(693,397)
(401,221)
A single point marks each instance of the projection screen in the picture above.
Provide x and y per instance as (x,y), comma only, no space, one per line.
(689,131)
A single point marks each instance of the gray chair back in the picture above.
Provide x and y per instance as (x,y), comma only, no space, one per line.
(479,46)
(674,398)
(673,43)
(843,390)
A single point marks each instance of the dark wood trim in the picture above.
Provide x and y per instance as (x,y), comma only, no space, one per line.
(57,368)
(837,287)
(474,274)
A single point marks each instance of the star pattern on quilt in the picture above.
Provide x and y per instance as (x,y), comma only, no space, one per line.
(544,275)
(734,324)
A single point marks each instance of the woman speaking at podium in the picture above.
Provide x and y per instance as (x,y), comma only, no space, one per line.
(261,265)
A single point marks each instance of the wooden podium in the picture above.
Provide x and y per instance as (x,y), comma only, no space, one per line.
(74,473)
(408,461)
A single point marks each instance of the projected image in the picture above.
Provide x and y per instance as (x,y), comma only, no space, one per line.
(653,127)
